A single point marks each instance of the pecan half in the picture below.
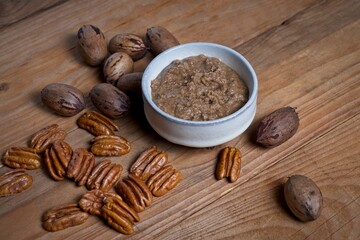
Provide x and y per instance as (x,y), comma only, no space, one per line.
(14,182)
(46,136)
(164,180)
(134,192)
(64,216)
(97,124)
(104,176)
(119,215)
(110,145)
(80,166)
(229,164)
(21,157)
(148,163)
(92,201)
(57,159)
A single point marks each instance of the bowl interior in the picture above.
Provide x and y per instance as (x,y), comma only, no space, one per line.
(227,55)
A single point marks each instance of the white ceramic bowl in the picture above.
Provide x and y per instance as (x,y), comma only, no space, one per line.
(200,133)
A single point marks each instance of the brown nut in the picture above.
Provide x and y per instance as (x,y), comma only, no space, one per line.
(104,176)
(92,201)
(148,163)
(63,99)
(64,216)
(229,164)
(47,136)
(160,39)
(97,124)
(116,65)
(128,43)
(109,100)
(164,180)
(130,82)
(119,215)
(134,192)
(303,197)
(92,45)
(110,145)
(21,157)
(277,127)
(57,159)
(80,166)
(14,182)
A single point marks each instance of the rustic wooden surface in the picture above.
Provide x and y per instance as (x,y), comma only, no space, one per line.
(306,55)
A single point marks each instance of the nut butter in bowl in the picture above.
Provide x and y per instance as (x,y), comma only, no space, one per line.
(199,94)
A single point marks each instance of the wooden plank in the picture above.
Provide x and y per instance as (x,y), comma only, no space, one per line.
(12,12)
(312,75)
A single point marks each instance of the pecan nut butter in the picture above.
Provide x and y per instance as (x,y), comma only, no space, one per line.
(199,88)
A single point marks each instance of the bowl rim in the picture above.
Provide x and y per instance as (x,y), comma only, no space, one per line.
(147,96)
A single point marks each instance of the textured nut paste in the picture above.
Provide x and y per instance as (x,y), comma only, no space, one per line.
(199,88)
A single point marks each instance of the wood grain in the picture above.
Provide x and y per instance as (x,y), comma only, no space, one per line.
(306,55)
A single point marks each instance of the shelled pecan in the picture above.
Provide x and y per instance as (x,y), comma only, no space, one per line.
(148,163)
(92,201)
(46,136)
(14,182)
(110,145)
(64,216)
(80,166)
(57,159)
(119,215)
(22,157)
(229,164)
(134,192)
(164,180)
(97,124)
(104,176)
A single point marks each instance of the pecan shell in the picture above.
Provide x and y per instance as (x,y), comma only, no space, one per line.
(110,145)
(97,124)
(104,176)
(148,163)
(64,216)
(21,157)
(80,166)
(14,182)
(46,136)
(92,201)
(164,180)
(229,164)
(119,215)
(134,192)
(57,159)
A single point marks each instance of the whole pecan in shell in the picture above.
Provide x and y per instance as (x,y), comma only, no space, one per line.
(110,145)
(119,215)
(164,180)
(134,192)
(46,136)
(229,164)
(148,163)
(22,157)
(14,182)
(277,127)
(80,166)
(64,216)
(92,201)
(57,159)
(104,176)
(97,124)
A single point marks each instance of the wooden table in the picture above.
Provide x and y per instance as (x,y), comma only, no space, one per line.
(306,55)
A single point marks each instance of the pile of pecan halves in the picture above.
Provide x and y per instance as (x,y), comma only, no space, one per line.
(150,175)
